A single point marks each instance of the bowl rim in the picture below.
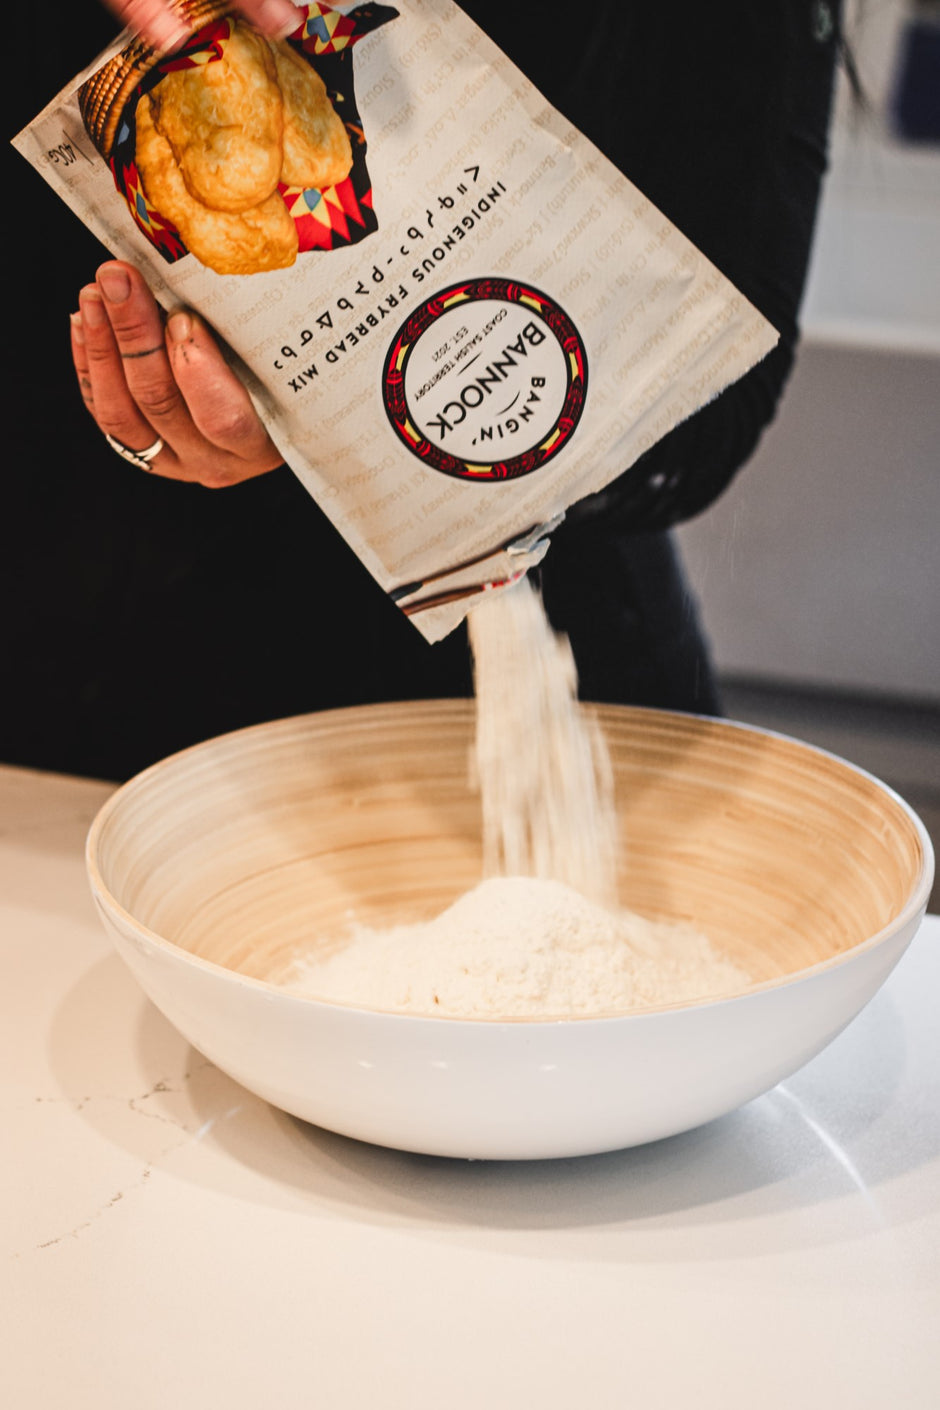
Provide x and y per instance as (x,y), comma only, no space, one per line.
(912,911)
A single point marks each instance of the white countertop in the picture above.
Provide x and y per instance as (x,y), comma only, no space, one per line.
(171,1241)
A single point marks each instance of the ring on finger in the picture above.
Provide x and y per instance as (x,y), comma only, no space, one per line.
(140,458)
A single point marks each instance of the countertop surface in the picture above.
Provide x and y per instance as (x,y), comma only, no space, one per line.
(172,1241)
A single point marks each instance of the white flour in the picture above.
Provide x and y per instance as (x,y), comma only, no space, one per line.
(545,781)
(521,947)
(541,935)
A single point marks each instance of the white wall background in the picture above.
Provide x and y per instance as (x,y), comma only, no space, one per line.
(821,564)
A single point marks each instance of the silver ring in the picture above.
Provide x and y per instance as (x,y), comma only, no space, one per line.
(140,458)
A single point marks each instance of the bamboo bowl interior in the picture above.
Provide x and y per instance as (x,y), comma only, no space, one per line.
(256,846)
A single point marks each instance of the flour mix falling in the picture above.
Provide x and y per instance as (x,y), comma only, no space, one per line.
(543,772)
(541,935)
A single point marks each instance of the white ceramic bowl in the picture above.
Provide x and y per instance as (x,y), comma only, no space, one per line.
(214,867)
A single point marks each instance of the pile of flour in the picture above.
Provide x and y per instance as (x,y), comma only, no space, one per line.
(541,935)
(524,947)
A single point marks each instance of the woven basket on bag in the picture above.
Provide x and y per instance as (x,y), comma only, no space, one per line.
(101,100)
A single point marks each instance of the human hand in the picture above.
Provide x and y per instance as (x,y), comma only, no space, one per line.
(141,382)
(159,22)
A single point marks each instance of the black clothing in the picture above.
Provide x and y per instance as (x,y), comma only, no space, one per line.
(719,114)
(143,615)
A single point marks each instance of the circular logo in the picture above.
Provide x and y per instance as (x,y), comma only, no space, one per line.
(486,380)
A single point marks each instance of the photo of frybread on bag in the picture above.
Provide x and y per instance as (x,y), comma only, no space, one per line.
(238,149)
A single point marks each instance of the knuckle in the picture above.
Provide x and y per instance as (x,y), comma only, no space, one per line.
(99,354)
(231,423)
(131,329)
(159,402)
(111,425)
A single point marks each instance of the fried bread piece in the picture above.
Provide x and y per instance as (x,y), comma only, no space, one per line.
(246,242)
(224,122)
(317,151)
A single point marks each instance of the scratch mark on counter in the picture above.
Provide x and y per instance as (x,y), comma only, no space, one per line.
(161,1088)
(187,1134)
(119,1195)
(109,1204)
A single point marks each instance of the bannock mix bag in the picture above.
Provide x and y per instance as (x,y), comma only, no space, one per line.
(455,316)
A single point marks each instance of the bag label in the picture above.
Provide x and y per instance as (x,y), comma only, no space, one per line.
(486,380)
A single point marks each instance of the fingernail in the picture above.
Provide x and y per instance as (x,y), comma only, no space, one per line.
(113,282)
(78,328)
(180,327)
(93,314)
(278,18)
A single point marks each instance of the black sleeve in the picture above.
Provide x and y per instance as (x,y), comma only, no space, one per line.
(719,114)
